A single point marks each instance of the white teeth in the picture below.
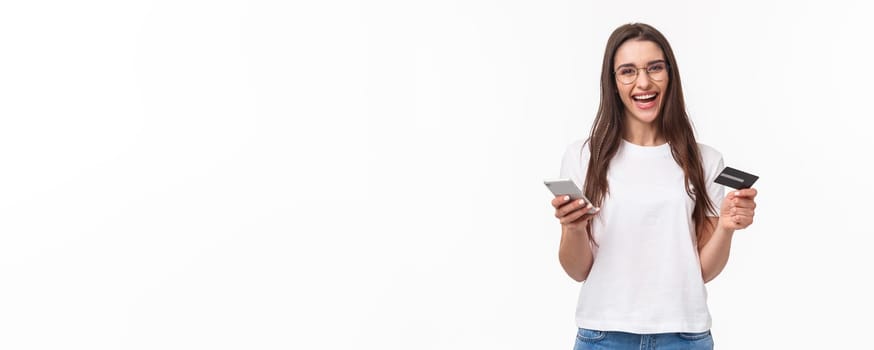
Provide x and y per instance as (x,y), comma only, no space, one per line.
(643,97)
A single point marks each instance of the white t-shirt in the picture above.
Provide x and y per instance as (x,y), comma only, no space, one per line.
(646,277)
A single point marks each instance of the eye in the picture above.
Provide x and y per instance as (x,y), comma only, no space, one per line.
(626,71)
(656,67)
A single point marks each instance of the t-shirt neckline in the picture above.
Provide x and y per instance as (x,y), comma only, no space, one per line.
(648,149)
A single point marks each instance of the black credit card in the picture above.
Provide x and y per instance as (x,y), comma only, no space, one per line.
(736,179)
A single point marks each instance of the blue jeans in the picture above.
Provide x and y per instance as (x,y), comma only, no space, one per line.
(588,339)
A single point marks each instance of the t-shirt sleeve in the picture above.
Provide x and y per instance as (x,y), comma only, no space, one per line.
(713,164)
(575,162)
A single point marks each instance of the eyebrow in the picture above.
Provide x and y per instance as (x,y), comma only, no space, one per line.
(647,64)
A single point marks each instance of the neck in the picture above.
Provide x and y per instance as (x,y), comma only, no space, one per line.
(643,134)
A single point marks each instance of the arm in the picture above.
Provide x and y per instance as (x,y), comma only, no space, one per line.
(714,240)
(714,245)
(575,250)
(575,253)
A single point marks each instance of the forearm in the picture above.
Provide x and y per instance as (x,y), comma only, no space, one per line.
(575,254)
(714,254)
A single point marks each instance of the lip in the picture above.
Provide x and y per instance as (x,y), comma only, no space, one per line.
(644,93)
(645,105)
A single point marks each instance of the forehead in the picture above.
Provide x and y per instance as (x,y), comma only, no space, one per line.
(638,53)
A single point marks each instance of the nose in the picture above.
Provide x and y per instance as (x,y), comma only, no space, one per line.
(643,79)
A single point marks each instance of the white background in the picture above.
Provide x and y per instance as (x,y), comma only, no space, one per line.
(368,174)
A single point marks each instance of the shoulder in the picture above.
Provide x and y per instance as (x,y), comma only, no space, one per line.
(577,149)
(710,157)
(708,152)
(575,161)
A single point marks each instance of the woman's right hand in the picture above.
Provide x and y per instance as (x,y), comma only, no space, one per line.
(572,213)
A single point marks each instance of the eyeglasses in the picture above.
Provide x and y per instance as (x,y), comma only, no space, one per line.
(656,71)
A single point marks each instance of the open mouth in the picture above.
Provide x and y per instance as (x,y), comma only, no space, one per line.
(645,100)
(645,97)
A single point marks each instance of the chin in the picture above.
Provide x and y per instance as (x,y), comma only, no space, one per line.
(646,117)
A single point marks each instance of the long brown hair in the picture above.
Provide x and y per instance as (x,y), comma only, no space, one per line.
(672,123)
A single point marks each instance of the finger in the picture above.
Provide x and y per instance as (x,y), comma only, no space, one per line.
(746,193)
(581,216)
(742,220)
(569,207)
(586,217)
(743,203)
(576,212)
(559,200)
(743,212)
(573,216)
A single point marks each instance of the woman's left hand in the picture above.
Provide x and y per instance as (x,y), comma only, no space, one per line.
(738,209)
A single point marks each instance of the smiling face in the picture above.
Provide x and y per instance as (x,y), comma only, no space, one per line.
(643,98)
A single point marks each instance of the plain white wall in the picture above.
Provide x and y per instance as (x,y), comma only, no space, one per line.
(318,175)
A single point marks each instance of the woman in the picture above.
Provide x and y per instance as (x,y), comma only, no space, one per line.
(663,228)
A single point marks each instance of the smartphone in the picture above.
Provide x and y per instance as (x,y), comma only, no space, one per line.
(567,187)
